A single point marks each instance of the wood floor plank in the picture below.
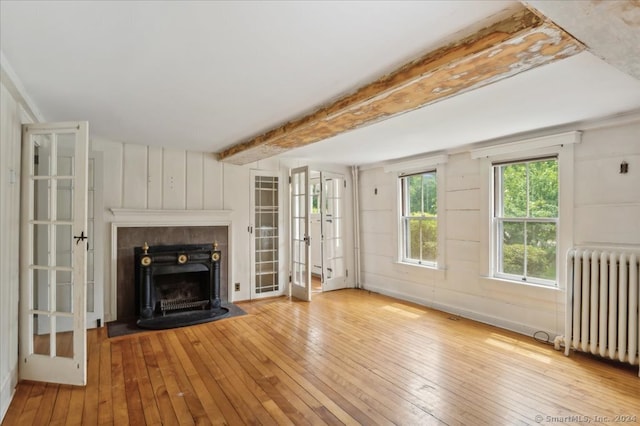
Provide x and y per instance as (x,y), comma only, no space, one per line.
(186,391)
(118,391)
(91,400)
(348,357)
(45,408)
(368,365)
(173,390)
(281,403)
(147,398)
(61,407)
(30,409)
(187,357)
(76,405)
(280,388)
(235,387)
(207,372)
(301,374)
(131,389)
(105,401)
(165,408)
(16,408)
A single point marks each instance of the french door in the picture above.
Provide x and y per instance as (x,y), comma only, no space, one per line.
(332,213)
(53,253)
(300,239)
(265,234)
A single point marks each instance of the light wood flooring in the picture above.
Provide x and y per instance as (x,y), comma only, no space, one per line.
(348,357)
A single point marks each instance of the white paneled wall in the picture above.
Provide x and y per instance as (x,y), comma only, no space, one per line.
(11,117)
(174,179)
(606,211)
(154,176)
(134,179)
(607,203)
(144,177)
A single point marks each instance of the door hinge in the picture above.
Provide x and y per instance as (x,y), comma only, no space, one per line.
(346,273)
(345,183)
(289,277)
(289,179)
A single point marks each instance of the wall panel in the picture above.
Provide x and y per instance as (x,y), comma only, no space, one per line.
(212,185)
(134,189)
(465,199)
(194,180)
(11,117)
(236,190)
(606,184)
(154,177)
(174,179)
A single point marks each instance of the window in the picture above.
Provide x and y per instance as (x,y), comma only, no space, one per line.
(525,220)
(315,197)
(419,218)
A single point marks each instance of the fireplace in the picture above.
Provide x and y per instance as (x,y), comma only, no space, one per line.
(129,235)
(177,285)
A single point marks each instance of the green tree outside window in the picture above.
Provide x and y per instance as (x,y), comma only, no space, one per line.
(419,218)
(526,215)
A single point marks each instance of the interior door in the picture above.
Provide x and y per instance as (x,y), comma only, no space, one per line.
(300,240)
(265,234)
(53,253)
(333,252)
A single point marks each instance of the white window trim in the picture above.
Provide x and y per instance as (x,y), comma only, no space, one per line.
(431,163)
(562,146)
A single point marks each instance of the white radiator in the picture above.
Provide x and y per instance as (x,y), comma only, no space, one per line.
(602,304)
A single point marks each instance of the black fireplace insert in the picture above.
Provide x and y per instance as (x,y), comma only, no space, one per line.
(177,285)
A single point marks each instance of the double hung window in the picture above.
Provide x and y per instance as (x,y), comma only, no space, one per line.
(525,220)
(419,218)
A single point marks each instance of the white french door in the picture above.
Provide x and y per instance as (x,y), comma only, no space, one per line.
(333,252)
(265,234)
(300,239)
(53,253)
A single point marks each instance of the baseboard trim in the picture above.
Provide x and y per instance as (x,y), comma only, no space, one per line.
(465,313)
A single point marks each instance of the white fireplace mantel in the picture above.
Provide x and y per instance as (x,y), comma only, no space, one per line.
(122,218)
(146,217)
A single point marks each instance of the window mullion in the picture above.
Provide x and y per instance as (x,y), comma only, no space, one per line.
(420,233)
(525,250)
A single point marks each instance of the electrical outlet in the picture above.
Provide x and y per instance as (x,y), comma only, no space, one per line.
(237,287)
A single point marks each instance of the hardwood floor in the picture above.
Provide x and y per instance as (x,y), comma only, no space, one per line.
(348,357)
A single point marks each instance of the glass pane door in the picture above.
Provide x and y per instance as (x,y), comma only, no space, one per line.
(266,241)
(52,311)
(333,262)
(300,243)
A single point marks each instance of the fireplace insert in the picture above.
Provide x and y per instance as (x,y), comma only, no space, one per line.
(177,285)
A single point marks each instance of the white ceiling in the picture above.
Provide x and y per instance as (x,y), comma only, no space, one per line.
(206,75)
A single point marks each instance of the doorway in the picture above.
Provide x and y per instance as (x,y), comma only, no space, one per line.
(318,207)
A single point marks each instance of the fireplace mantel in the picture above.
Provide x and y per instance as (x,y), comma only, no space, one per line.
(147,217)
(123,218)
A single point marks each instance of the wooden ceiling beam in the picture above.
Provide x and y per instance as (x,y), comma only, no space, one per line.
(522,41)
